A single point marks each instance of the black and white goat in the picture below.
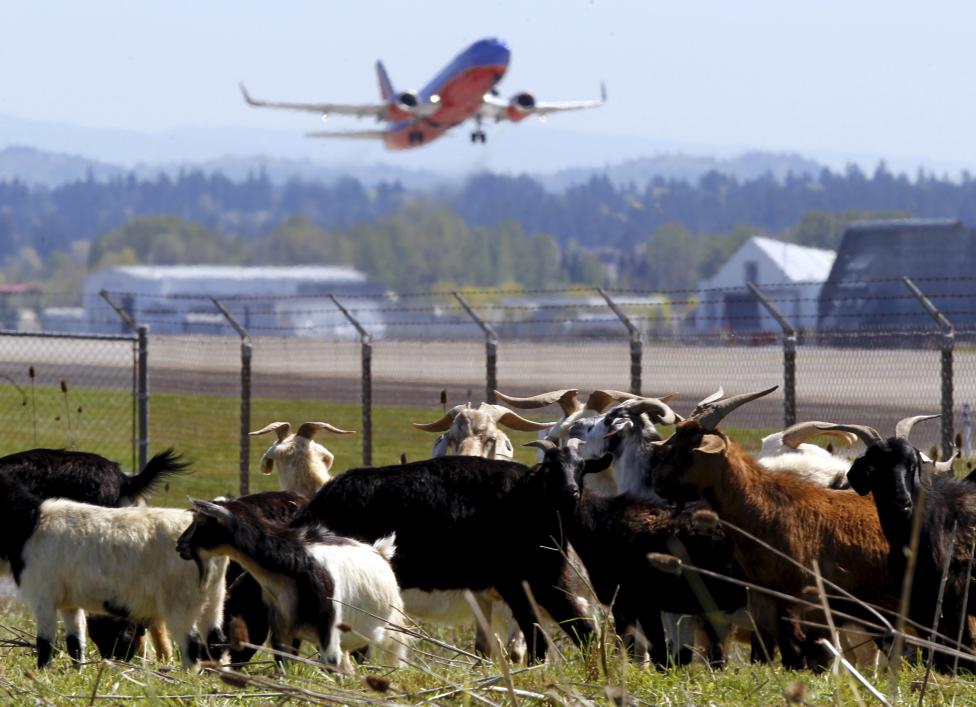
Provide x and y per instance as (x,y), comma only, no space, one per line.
(91,478)
(463,523)
(895,473)
(244,601)
(71,557)
(337,592)
(614,535)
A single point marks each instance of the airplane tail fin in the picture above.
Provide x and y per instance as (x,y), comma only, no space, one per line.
(386,87)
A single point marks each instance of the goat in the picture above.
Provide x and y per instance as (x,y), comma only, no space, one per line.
(474,432)
(895,474)
(335,591)
(614,536)
(597,403)
(462,523)
(627,433)
(837,530)
(75,557)
(87,477)
(788,451)
(243,602)
(91,478)
(303,464)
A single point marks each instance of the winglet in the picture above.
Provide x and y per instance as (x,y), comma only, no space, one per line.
(247,96)
(603,92)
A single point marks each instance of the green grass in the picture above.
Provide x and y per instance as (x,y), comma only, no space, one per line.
(597,673)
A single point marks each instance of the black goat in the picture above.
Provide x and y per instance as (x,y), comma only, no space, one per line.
(892,470)
(88,478)
(463,523)
(613,537)
(91,478)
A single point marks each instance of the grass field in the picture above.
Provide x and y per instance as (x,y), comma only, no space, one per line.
(205,429)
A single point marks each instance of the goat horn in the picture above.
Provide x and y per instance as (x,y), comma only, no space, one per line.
(905,425)
(866,434)
(208,508)
(308,429)
(796,434)
(603,400)
(442,424)
(656,409)
(946,465)
(514,421)
(544,444)
(568,400)
(279,428)
(705,402)
(715,411)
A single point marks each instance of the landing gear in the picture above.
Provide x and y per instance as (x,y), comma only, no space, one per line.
(415,137)
(479,136)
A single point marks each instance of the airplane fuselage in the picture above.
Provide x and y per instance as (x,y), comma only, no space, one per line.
(460,86)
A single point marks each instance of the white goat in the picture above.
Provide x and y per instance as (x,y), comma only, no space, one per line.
(303,464)
(71,557)
(788,452)
(473,432)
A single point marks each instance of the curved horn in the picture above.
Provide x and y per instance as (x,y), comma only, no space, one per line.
(514,421)
(603,400)
(545,445)
(905,425)
(656,409)
(702,404)
(716,411)
(442,424)
(799,433)
(568,400)
(866,434)
(212,510)
(279,428)
(308,429)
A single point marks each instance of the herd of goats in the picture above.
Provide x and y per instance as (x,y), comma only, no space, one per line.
(798,549)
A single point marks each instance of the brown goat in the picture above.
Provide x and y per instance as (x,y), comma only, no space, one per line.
(838,530)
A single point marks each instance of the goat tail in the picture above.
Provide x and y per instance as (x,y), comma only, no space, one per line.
(386,546)
(162,466)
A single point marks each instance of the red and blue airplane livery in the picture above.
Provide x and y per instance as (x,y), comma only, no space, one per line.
(464,90)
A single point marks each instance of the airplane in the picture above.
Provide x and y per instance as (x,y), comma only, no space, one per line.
(464,90)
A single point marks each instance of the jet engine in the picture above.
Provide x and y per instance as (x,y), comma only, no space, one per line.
(521,106)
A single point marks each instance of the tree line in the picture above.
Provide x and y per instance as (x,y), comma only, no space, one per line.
(493,229)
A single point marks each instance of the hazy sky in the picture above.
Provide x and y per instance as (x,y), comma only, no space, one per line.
(827,78)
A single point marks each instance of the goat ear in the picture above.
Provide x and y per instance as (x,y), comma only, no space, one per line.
(711,444)
(859,476)
(619,425)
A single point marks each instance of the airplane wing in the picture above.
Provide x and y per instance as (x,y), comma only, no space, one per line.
(496,108)
(359,110)
(349,134)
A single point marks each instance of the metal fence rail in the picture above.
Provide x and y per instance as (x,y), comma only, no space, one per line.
(429,349)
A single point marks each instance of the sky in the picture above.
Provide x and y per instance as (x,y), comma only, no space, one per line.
(833,80)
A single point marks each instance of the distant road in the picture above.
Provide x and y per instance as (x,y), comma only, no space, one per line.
(870,386)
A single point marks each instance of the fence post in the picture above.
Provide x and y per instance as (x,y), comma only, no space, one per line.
(789,355)
(142,378)
(366,340)
(246,350)
(636,343)
(491,350)
(947,346)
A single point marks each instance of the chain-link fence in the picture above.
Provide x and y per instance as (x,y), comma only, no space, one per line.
(360,361)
